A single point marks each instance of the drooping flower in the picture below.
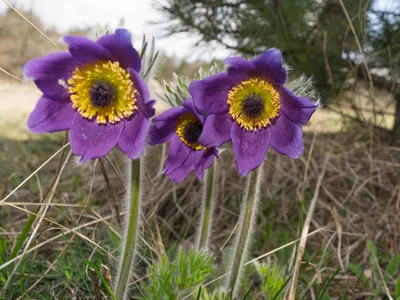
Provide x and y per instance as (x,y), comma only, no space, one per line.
(250,105)
(94,90)
(182,126)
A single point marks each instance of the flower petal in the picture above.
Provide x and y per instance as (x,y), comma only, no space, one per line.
(287,137)
(216,130)
(179,162)
(120,45)
(92,140)
(86,51)
(271,66)
(297,109)
(189,105)
(133,137)
(51,74)
(211,94)
(143,95)
(249,147)
(241,69)
(163,127)
(204,161)
(239,62)
(51,115)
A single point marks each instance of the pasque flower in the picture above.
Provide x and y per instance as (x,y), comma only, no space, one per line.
(250,105)
(182,126)
(94,90)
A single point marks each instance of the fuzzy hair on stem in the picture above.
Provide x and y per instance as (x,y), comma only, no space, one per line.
(133,201)
(208,205)
(303,86)
(178,90)
(245,229)
(134,178)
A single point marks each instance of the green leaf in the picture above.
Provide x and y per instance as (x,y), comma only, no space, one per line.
(247,294)
(326,284)
(357,271)
(103,280)
(273,281)
(23,235)
(171,279)
(3,250)
(393,267)
(282,288)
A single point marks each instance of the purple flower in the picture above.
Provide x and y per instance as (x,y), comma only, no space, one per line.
(94,90)
(182,126)
(250,106)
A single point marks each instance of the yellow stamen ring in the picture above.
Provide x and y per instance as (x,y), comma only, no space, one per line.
(253,103)
(189,130)
(84,78)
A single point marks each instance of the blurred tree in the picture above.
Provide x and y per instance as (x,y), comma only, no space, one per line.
(384,35)
(297,27)
(168,65)
(314,35)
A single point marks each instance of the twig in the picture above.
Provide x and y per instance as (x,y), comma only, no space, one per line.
(63,234)
(328,67)
(110,193)
(381,276)
(364,60)
(260,257)
(33,25)
(304,233)
(51,195)
(33,174)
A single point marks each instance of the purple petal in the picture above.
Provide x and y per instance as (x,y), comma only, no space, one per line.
(51,74)
(241,69)
(249,147)
(179,162)
(239,62)
(271,66)
(297,109)
(120,45)
(204,161)
(143,95)
(86,51)
(216,130)
(211,94)
(133,137)
(51,115)
(163,127)
(189,105)
(92,140)
(287,137)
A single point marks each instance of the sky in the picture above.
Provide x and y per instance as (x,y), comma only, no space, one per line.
(137,14)
(64,14)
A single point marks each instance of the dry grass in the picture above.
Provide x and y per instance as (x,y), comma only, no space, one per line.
(359,203)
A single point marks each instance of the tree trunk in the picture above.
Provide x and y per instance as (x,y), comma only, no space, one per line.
(392,86)
(396,126)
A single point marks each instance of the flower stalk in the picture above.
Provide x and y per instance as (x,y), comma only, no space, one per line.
(247,218)
(131,230)
(210,186)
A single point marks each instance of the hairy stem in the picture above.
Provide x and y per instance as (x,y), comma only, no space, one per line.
(247,218)
(130,232)
(208,207)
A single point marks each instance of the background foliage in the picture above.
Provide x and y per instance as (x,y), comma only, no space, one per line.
(315,37)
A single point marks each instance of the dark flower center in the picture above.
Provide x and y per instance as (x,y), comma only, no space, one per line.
(253,105)
(102,94)
(193,131)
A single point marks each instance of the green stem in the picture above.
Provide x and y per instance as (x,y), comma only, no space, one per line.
(208,207)
(247,218)
(131,233)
